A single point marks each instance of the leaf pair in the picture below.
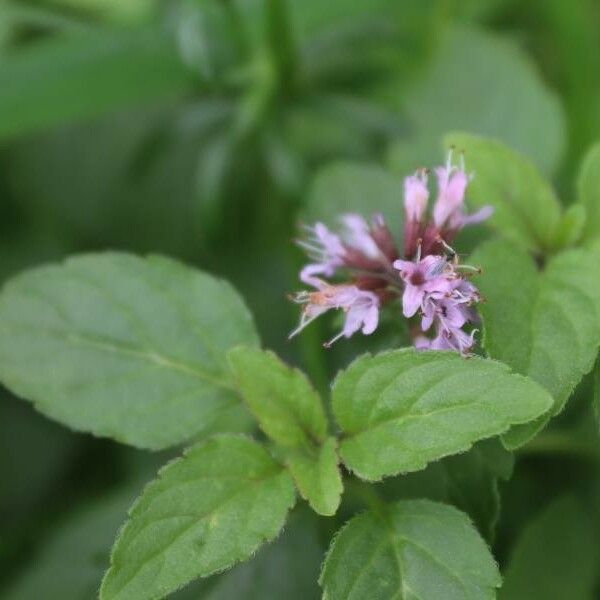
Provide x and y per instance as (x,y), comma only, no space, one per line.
(290,412)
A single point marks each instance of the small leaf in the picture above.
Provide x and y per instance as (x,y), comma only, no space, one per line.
(588,191)
(290,412)
(402,409)
(411,549)
(124,347)
(556,556)
(545,325)
(318,478)
(570,227)
(526,209)
(205,512)
(287,407)
(346,187)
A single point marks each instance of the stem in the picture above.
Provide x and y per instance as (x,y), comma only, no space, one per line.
(365,492)
(280,43)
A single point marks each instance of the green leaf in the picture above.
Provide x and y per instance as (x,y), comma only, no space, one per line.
(71,77)
(570,227)
(288,568)
(500,94)
(411,549)
(287,407)
(469,481)
(545,325)
(205,512)
(347,187)
(125,347)
(290,412)
(402,409)
(556,556)
(526,209)
(318,477)
(588,192)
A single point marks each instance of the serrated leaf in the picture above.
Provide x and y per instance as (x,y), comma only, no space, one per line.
(588,191)
(291,413)
(121,346)
(318,477)
(288,568)
(205,512)
(410,549)
(352,187)
(556,556)
(403,409)
(468,481)
(287,407)
(526,209)
(545,325)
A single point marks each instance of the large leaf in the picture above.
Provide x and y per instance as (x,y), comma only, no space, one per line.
(122,346)
(556,556)
(526,209)
(69,77)
(545,325)
(402,409)
(290,412)
(485,84)
(205,512)
(469,481)
(350,187)
(588,191)
(411,549)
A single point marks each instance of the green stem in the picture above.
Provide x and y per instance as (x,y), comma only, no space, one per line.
(280,42)
(365,493)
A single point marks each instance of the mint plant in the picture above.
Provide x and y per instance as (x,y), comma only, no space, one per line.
(403,454)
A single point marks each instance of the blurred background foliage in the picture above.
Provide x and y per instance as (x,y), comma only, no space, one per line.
(207,130)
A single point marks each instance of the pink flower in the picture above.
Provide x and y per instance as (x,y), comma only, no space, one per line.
(420,278)
(357,235)
(416,196)
(360,307)
(454,339)
(358,246)
(326,249)
(448,211)
(452,184)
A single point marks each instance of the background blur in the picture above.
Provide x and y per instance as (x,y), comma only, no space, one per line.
(200,129)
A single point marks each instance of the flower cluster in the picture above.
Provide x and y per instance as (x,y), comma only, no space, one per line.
(429,280)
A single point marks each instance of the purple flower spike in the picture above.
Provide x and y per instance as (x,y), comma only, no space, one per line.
(429,280)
